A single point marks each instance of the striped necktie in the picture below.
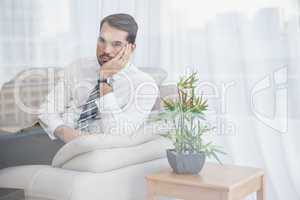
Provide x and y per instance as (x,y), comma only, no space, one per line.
(90,109)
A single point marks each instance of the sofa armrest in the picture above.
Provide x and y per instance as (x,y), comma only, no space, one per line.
(105,160)
(89,143)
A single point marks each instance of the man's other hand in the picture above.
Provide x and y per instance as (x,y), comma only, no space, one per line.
(66,134)
(105,89)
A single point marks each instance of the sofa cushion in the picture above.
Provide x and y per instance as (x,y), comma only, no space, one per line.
(19,176)
(40,182)
(169,91)
(49,183)
(158,74)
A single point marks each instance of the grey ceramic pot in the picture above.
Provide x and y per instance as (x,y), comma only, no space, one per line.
(185,163)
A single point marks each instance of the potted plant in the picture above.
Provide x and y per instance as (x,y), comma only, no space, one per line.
(186,114)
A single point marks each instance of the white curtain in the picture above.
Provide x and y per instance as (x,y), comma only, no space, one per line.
(246,52)
(54,33)
(247,56)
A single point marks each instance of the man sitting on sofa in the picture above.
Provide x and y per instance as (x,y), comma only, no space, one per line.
(107,95)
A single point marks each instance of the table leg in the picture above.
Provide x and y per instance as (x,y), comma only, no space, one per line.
(151,197)
(261,194)
(226,196)
(151,193)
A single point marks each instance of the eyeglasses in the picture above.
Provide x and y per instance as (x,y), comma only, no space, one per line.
(113,44)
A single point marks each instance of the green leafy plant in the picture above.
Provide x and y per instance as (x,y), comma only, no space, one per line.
(186,114)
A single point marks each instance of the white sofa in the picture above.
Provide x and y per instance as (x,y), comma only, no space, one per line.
(96,166)
(110,174)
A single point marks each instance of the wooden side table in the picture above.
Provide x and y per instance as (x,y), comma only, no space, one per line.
(215,182)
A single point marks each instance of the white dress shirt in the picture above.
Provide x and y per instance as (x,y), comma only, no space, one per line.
(120,112)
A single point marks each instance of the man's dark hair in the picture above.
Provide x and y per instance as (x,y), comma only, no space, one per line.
(123,22)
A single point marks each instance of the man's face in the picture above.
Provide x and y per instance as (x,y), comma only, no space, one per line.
(110,42)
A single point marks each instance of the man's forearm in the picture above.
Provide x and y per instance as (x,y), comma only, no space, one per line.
(66,134)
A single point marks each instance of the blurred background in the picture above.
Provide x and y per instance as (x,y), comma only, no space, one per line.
(247,53)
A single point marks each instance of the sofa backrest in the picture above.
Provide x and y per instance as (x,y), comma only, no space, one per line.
(30,87)
(27,89)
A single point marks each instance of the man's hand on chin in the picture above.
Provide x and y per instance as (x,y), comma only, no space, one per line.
(117,63)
